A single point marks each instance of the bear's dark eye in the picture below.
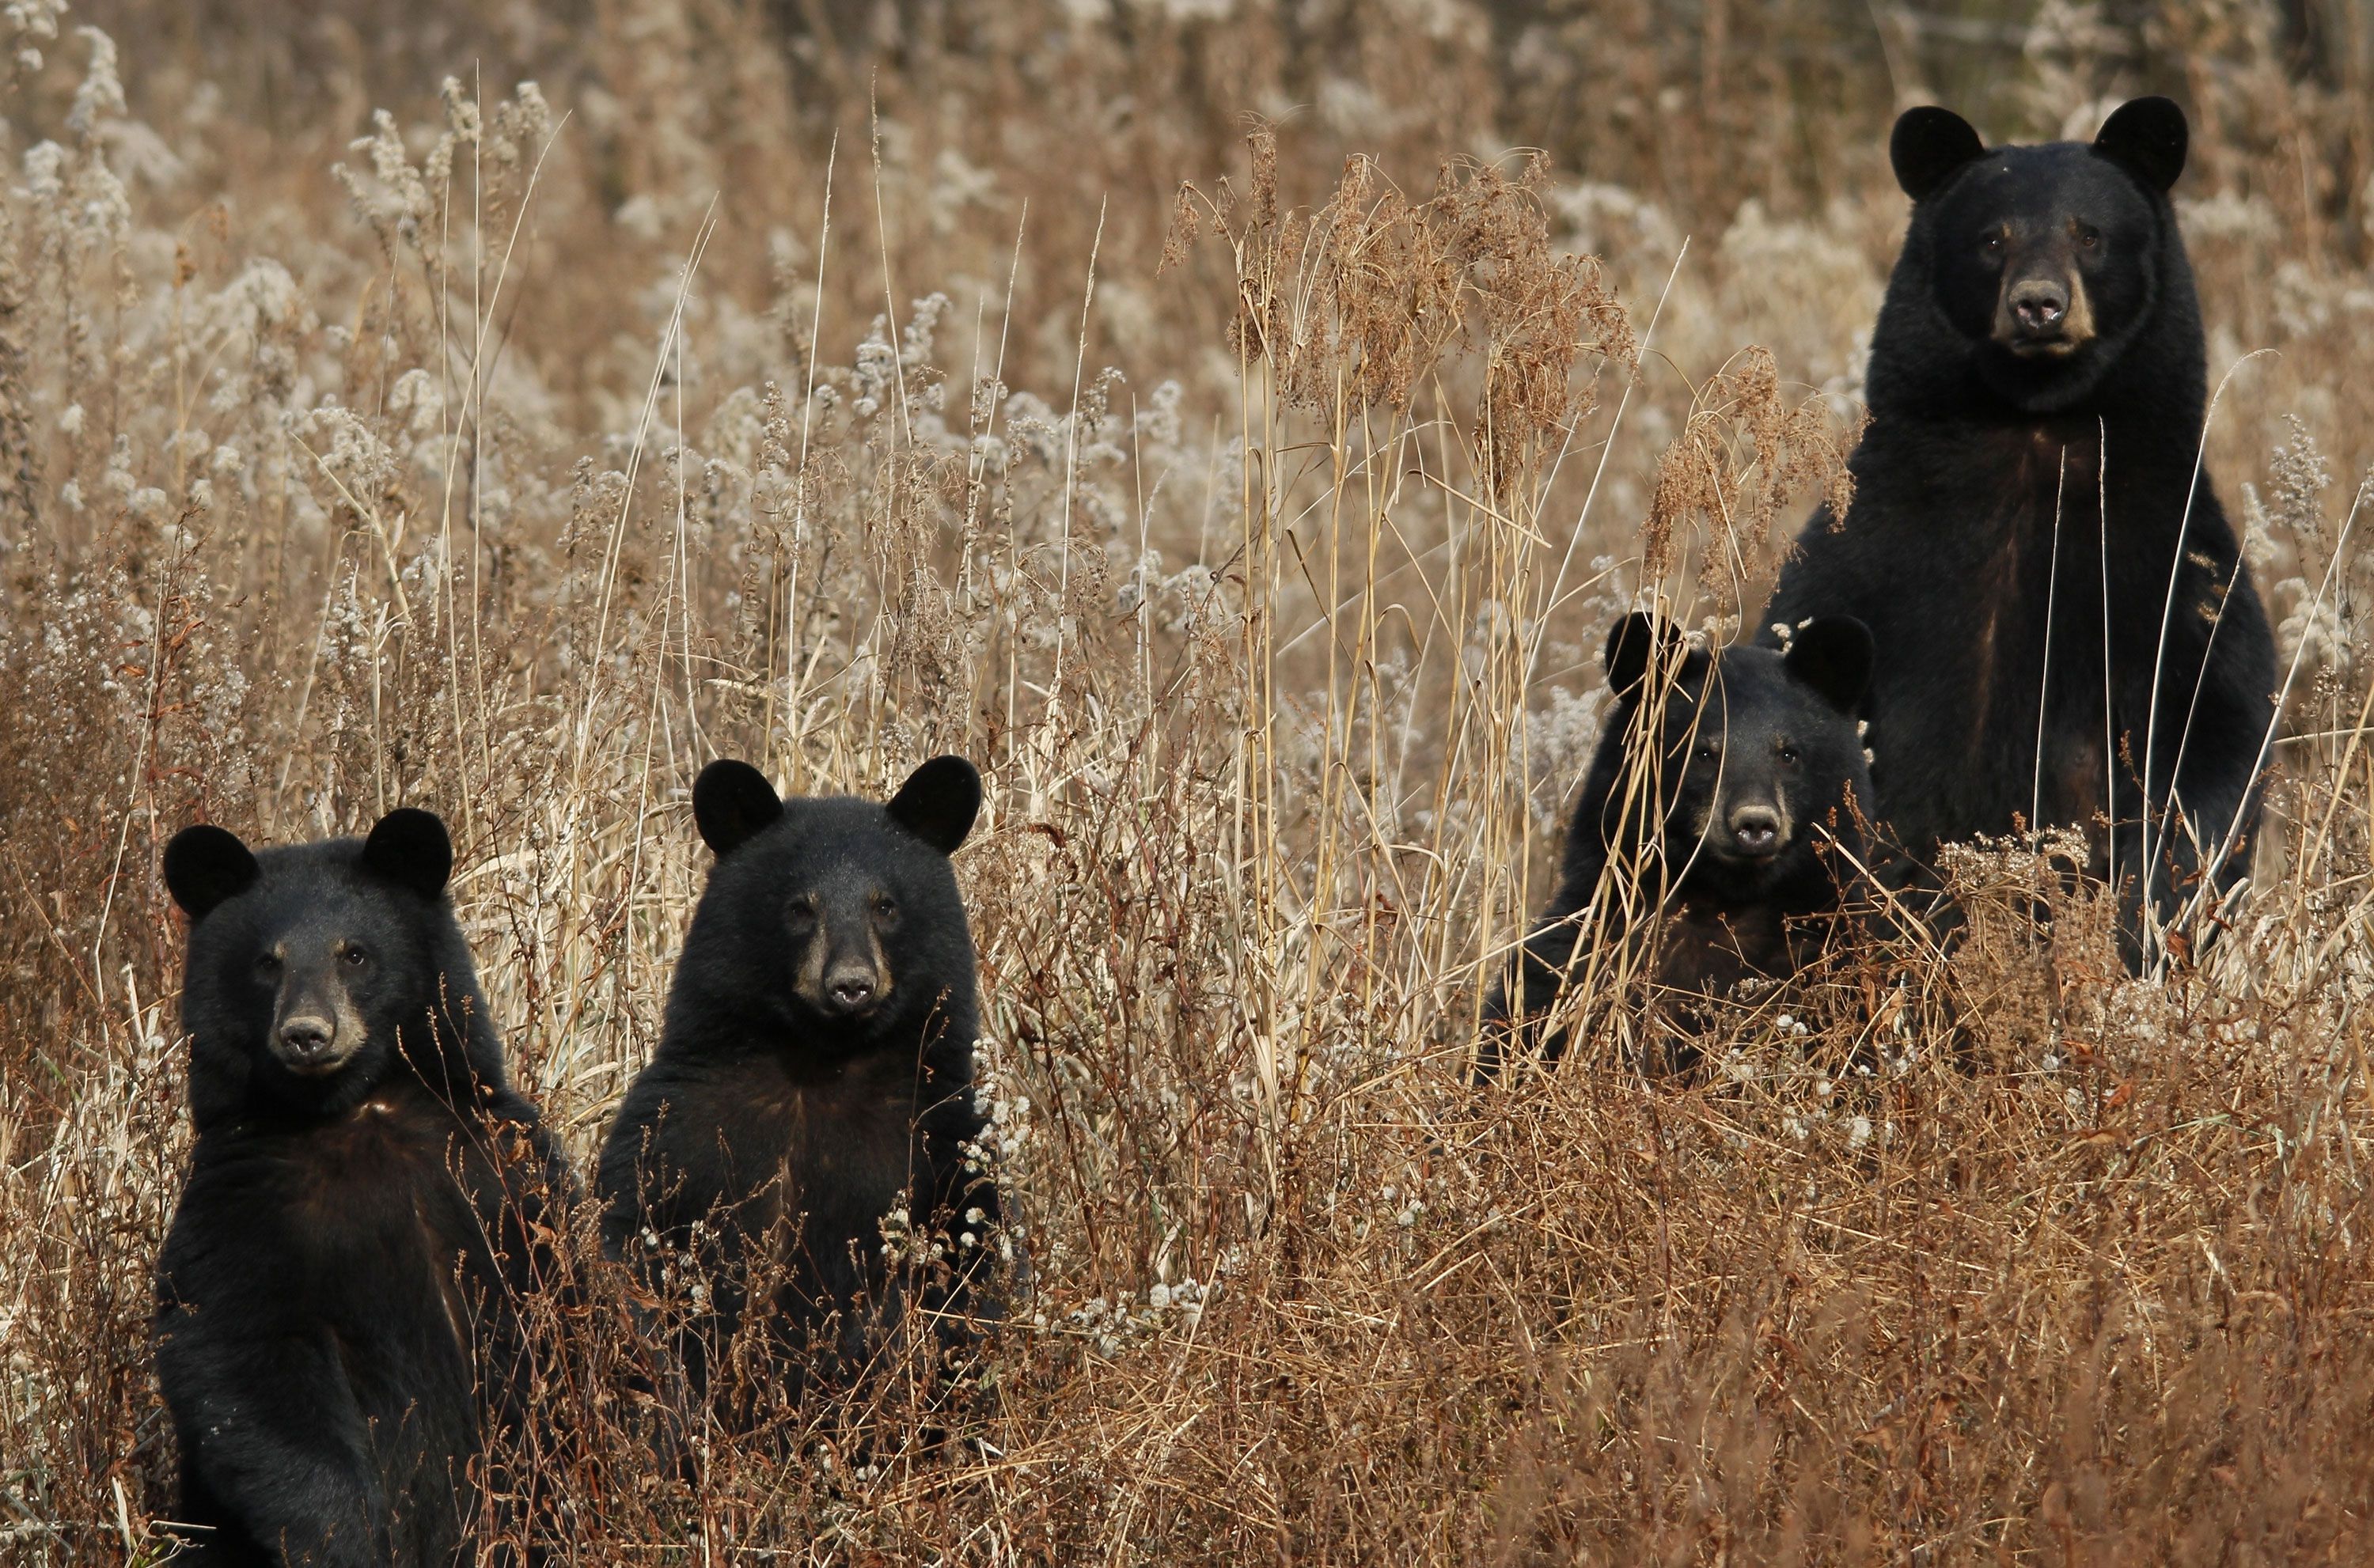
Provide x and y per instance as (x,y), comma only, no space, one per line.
(267,964)
(801,917)
(355,956)
(1788,753)
(885,913)
(1994,244)
(1707,751)
(2089,239)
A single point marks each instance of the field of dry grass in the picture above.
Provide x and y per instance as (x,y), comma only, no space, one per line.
(1195,412)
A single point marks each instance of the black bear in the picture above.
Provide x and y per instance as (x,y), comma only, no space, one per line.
(341,1295)
(1723,816)
(813,1078)
(2067,632)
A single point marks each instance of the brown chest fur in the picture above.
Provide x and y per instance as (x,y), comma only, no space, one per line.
(837,1147)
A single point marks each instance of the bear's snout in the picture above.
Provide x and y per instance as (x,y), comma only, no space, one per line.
(845,973)
(317,1024)
(306,1041)
(2044,314)
(851,985)
(2038,305)
(1755,831)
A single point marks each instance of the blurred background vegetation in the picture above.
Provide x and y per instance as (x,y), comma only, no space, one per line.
(1698,104)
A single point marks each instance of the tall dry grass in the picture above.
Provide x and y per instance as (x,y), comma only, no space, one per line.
(807,384)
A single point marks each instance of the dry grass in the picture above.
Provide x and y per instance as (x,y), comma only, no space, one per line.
(574,436)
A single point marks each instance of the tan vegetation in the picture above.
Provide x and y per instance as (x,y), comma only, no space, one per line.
(805,383)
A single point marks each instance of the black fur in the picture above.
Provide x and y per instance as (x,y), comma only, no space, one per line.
(1987,425)
(815,1072)
(1702,754)
(338,1298)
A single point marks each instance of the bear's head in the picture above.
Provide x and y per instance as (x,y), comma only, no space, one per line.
(2046,263)
(1754,753)
(314,970)
(834,920)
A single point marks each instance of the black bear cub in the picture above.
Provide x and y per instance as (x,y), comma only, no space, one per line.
(1723,787)
(2067,633)
(814,1075)
(338,1323)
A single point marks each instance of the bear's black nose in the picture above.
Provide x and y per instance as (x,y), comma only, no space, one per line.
(305,1038)
(1755,830)
(851,989)
(2039,306)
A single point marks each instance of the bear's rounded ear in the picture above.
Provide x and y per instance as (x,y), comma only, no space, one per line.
(2147,135)
(938,802)
(732,802)
(204,865)
(1630,646)
(410,847)
(1834,656)
(1928,147)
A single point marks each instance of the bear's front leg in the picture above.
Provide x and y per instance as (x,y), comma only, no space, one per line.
(274,1446)
(2207,757)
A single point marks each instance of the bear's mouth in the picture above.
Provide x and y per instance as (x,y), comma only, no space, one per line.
(321,1064)
(2054,346)
(314,1063)
(1744,857)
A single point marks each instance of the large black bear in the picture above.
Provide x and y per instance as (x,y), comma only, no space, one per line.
(815,1075)
(341,1295)
(1723,815)
(2067,633)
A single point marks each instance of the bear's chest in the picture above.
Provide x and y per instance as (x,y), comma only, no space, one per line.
(379,1168)
(2030,525)
(1998,609)
(2018,545)
(397,1191)
(372,1234)
(836,1151)
(1707,950)
(2055,463)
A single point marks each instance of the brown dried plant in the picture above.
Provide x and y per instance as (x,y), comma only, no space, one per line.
(1745,452)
